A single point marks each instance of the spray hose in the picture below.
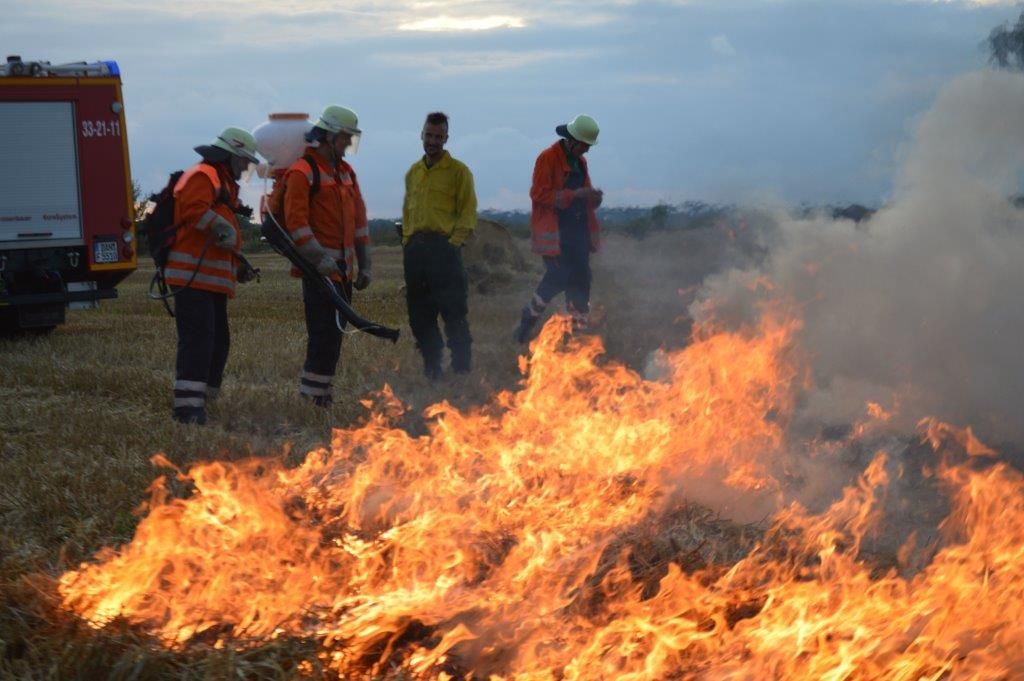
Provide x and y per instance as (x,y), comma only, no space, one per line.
(281,242)
(165,292)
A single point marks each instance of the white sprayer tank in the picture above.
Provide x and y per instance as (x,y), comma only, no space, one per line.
(281,139)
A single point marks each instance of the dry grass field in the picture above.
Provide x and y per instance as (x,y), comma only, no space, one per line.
(86,407)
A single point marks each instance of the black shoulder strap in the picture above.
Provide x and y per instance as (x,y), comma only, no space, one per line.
(315,167)
(223,196)
(168,191)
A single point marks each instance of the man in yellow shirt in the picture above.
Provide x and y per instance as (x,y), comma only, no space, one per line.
(438,214)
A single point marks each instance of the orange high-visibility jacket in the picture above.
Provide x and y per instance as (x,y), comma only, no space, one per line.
(196,205)
(336,217)
(549,175)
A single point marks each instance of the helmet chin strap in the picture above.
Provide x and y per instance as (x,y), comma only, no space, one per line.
(335,156)
(235,164)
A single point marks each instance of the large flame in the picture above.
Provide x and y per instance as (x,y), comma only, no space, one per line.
(492,546)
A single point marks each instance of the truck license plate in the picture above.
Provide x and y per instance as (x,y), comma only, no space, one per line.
(105,251)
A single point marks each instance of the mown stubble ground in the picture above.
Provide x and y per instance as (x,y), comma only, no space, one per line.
(84,408)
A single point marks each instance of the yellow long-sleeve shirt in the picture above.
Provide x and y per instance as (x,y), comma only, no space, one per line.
(440,198)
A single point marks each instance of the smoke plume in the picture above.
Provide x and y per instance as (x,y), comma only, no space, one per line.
(920,308)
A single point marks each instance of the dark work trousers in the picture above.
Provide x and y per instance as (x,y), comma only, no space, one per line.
(436,284)
(568,272)
(323,344)
(201,318)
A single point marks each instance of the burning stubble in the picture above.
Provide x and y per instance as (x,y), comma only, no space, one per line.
(499,545)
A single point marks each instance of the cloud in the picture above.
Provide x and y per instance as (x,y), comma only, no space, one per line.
(237,10)
(800,108)
(982,3)
(720,45)
(449,23)
(654,79)
(896,86)
(443,65)
(356,18)
(506,199)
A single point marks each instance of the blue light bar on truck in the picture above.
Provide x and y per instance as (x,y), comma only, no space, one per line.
(16,68)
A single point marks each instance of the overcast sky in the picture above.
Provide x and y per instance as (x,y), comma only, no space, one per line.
(717,100)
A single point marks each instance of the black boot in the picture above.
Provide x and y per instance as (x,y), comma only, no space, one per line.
(432,368)
(461,359)
(195,415)
(524,332)
(580,320)
(323,401)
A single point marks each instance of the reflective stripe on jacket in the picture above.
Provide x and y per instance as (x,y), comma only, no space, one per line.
(549,175)
(439,199)
(336,216)
(196,206)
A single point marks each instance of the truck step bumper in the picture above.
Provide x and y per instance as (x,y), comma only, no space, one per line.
(58,297)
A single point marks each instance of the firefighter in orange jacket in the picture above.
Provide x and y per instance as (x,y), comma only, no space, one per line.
(563,224)
(330,229)
(202,268)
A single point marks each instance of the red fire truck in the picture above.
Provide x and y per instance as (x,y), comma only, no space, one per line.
(67,234)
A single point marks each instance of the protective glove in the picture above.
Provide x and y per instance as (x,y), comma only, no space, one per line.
(327,266)
(315,254)
(224,234)
(363,260)
(246,274)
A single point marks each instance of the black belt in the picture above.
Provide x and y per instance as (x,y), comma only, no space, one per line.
(428,236)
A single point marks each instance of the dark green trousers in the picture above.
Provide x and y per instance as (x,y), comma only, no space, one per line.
(435,284)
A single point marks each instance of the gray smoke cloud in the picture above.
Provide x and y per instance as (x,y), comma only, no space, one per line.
(921,307)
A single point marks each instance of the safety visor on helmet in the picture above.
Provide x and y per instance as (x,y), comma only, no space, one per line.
(353,146)
(355,135)
(251,171)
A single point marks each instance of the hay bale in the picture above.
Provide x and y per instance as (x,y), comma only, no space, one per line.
(492,256)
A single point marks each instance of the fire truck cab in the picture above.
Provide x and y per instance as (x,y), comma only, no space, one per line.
(67,231)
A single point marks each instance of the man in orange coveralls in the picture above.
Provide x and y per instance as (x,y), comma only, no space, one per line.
(563,224)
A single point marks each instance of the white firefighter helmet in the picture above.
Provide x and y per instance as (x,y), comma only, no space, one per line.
(239,142)
(582,128)
(340,119)
(335,119)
